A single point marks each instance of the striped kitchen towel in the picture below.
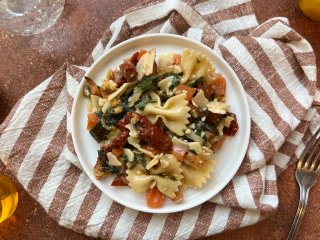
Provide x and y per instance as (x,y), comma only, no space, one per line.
(277,69)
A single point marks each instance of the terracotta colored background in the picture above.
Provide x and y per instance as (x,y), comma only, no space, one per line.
(26,61)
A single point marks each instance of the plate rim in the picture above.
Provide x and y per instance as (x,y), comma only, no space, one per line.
(247,122)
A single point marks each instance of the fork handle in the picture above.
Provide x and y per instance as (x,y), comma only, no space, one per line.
(299,214)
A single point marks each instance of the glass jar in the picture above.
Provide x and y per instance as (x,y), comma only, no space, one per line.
(8,198)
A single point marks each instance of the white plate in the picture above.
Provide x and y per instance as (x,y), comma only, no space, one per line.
(228,158)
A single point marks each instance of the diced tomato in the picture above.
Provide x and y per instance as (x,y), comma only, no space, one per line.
(154,198)
(117,152)
(93,119)
(119,180)
(178,197)
(179,152)
(218,84)
(176,59)
(188,90)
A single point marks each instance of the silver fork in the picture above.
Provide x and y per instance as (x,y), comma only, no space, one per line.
(306,175)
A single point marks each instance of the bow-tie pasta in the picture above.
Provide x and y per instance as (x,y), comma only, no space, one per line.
(194,65)
(165,175)
(174,113)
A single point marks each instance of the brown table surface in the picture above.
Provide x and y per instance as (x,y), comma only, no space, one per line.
(26,61)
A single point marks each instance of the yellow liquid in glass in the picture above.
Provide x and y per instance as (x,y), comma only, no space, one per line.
(8,198)
(310,8)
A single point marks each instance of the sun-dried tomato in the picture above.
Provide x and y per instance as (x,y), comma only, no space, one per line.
(117,142)
(152,149)
(127,119)
(128,71)
(233,127)
(195,111)
(213,118)
(153,135)
(120,82)
(118,78)
(149,134)
(135,58)
(120,180)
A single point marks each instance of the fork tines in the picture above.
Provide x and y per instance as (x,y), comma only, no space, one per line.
(310,158)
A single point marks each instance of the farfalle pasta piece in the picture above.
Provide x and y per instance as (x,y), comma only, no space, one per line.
(196,176)
(174,112)
(145,64)
(165,83)
(134,141)
(167,63)
(194,65)
(167,179)
(115,95)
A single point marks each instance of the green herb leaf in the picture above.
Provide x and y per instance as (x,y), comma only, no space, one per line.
(143,102)
(138,157)
(125,103)
(197,132)
(105,165)
(175,82)
(111,118)
(125,159)
(203,126)
(165,75)
(99,113)
(149,83)
(192,151)
(195,82)
(173,178)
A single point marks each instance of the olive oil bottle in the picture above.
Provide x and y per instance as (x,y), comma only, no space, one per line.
(8,198)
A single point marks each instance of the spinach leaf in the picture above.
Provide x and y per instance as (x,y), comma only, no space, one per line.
(195,82)
(143,102)
(111,118)
(125,159)
(165,75)
(105,165)
(193,151)
(175,82)
(203,126)
(138,157)
(125,103)
(148,83)
(197,132)
(99,113)
(173,178)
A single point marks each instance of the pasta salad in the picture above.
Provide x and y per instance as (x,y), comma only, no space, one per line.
(158,121)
